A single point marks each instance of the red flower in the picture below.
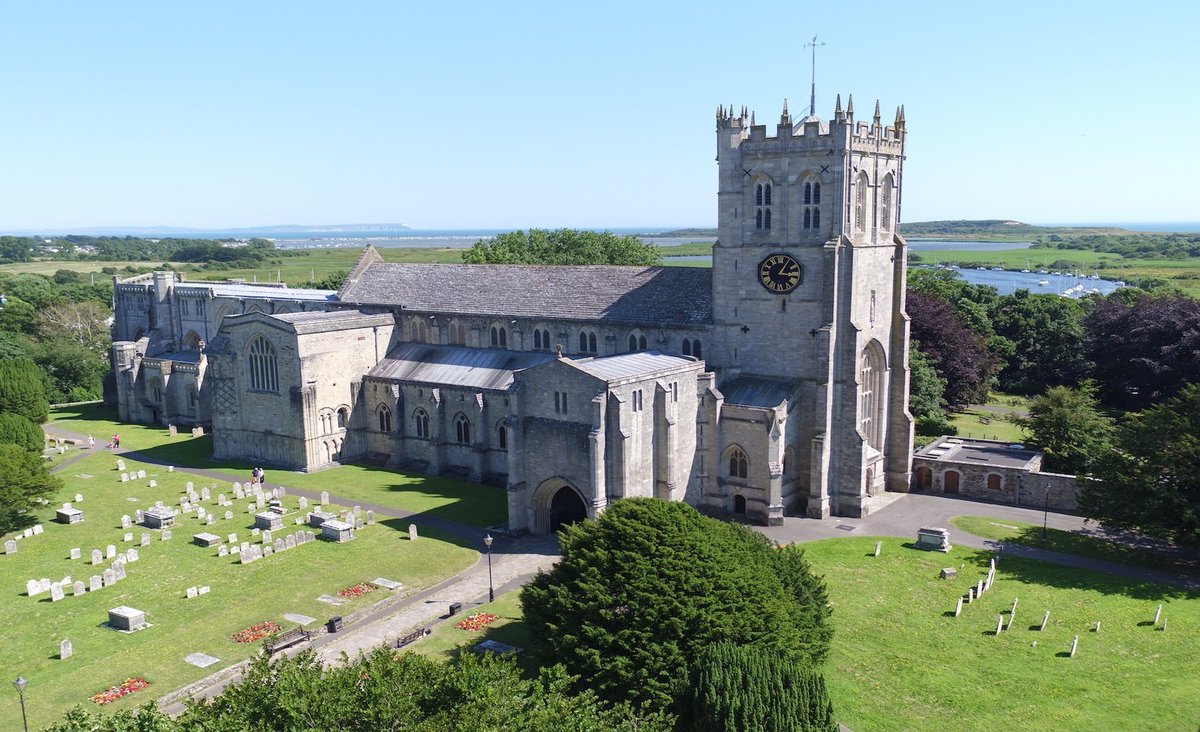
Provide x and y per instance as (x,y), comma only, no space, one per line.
(125,688)
(478,621)
(358,590)
(255,632)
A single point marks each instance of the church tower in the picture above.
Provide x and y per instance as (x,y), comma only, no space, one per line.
(808,292)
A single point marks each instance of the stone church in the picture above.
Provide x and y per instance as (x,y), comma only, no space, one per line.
(774,383)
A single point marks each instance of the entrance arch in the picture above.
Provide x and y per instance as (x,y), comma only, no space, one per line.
(739,505)
(924,478)
(557,503)
(950,481)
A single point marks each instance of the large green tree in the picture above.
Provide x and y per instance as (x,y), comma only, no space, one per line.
(926,394)
(1069,427)
(16,429)
(562,246)
(642,589)
(25,482)
(739,689)
(1049,341)
(1150,482)
(21,390)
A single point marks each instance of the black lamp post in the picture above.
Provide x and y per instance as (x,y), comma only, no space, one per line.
(20,683)
(487,541)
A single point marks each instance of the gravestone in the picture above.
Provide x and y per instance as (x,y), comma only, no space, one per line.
(141,475)
(210,520)
(78,588)
(200,512)
(110,577)
(223,551)
(191,593)
(979,588)
(1097,628)
(1011,616)
(120,464)
(153,483)
(358,524)
(1157,614)
(170,468)
(948,573)
(33,588)
(933,539)
(128,536)
(95,582)
(138,516)
(228,515)
(245,545)
(145,540)
(878,547)
(204,590)
(189,486)
(1045,619)
(79,498)
(970,595)
(412,532)
(303,503)
(290,541)
(1014,605)
(357,510)
(324,498)
(65,582)
(268,550)
(65,650)
(10,547)
(371,518)
(126,618)
(958,607)
(251,508)
(37,529)
(280,545)
(166,534)
(260,500)
(124,477)
(1074,645)
(56,592)
(266,536)
(118,568)
(1163,627)
(97,556)
(76,553)
(999,624)
(205,494)
(110,551)
(172,430)
(132,555)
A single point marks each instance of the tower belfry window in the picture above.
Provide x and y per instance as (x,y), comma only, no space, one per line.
(762,206)
(812,204)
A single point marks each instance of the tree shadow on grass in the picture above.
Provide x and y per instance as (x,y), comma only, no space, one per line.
(1038,572)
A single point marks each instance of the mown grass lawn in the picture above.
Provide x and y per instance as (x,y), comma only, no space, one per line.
(1070,542)
(900,662)
(447,641)
(242,595)
(467,503)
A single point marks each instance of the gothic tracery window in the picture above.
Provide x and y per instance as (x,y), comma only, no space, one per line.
(462,429)
(762,205)
(264,366)
(739,466)
(872,373)
(385,418)
(421,423)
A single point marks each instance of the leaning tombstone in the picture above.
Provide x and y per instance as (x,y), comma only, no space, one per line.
(1045,619)
(1157,614)
(64,649)
(1074,645)
(33,588)
(999,624)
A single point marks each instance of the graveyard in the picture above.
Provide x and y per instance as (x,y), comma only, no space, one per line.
(187,588)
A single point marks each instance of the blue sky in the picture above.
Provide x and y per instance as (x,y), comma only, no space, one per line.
(514,114)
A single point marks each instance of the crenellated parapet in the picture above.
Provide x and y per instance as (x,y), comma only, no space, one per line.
(843,131)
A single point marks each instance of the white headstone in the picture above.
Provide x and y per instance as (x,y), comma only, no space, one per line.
(255,531)
(1074,645)
(95,582)
(33,588)
(153,483)
(268,551)
(76,553)
(245,546)
(170,468)
(138,516)
(290,541)
(370,517)
(878,547)
(64,649)
(145,540)
(78,588)
(110,551)
(1097,628)
(970,595)
(56,592)
(237,487)
(205,494)
(119,568)
(223,551)
(97,557)
(1014,605)
(110,577)
(124,477)
(191,593)
(1157,614)
(37,529)
(958,607)
(166,534)
(1045,619)
(266,536)
(27,533)
(228,515)
(979,588)
(412,532)
(210,519)
(303,503)
(10,547)
(1163,627)
(141,474)
(204,590)
(132,555)
(120,464)
(129,536)
(324,498)
(79,498)
(279,545)
(999,624)
(189,486)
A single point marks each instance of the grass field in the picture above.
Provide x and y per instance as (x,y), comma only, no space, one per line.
(448,641)
(992,420)
(1070,542)
(241,595)
(466,503)
(901,661)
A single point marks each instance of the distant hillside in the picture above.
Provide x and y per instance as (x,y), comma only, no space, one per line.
(994,230)
(683,232)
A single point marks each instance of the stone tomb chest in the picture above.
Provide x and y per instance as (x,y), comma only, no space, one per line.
(206,539)
(159,517)
(337,531)
(268,520)
(933,539)
(126,619)
(68,516)
(316,518)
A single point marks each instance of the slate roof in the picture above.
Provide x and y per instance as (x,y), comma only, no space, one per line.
(476,368)
(754,391)
(631,365)
(220,289)
(645,295)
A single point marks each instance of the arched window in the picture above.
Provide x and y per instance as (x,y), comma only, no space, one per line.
(343,416)
(499,337)
(501,435)
(458,334)
(860,202)
(872,372)
(264,368)
(762,206)
(739,504)
(541,339)
(420,333)
(994,482)
(462,429)
(885,206)
(632,341)
(808,218)
(739,467)
(421,423)
(812,201)
(583,343)
(587,342)
(385,418)
(687,347)
(191,342)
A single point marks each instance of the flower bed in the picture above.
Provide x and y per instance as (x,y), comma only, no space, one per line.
(125,688)
(255,632)
(358,590)
(478,621)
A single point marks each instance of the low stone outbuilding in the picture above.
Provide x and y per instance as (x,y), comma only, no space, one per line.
(991,470)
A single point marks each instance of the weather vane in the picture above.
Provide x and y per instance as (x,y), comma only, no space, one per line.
(812,100)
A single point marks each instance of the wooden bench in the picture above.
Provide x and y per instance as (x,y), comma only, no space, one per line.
(282,640)
(412,637)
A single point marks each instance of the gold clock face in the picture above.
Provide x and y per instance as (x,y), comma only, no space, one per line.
(779,273)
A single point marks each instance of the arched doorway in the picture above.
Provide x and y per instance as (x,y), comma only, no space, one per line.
(950,481)
(739,505)
(924,479)
(566,507)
